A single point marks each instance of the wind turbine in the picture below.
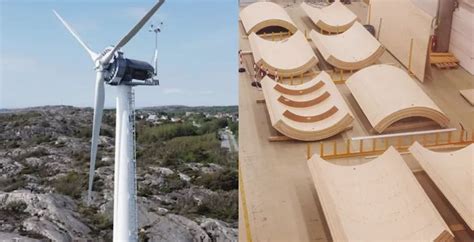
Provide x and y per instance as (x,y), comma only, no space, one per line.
(112,68)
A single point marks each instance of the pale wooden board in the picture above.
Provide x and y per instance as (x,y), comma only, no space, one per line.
(401,22)
(453,173)
(468,94)
(352,50)
(387,94)
(462,37)
(333,18)
(325,128)
(376,201)
(289,57)
(264,14)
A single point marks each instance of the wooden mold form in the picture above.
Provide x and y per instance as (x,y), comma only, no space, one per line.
(352,50)
(307,116)
(289,57)
(468,94)
(452,172)
(387,94)
(260,15)
(380,200)
(335,18)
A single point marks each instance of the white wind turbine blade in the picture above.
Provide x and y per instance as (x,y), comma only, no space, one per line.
(133,32)
(98,111)
(92,54)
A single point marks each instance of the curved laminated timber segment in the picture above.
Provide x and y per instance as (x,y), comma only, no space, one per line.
(307,116)
(289,57)
(260,15)
(387,94)
(352,50)
(335,18)
(452,172)
(380,200)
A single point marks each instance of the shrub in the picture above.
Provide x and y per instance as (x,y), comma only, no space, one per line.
(222,180)
(72,184)
(16,207)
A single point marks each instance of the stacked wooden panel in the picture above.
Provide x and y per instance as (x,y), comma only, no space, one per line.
(352,50)
(380,200)
(260,15)
(387,94)
(312,111)
(335,18)
(289,57)
(453,174)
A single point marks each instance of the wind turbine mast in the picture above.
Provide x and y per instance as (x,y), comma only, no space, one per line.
(122,73)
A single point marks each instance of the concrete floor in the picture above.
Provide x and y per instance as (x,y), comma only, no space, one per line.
(281,203)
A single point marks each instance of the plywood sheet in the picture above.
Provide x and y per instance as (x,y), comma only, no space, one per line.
(387,94)
(260,15)
(402,21)
(327,114)
(462,37)
(335,18)
(289,57)
(376,201)
(352,50)
(452,172)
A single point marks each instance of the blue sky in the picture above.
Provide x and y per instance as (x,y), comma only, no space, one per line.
(42,64)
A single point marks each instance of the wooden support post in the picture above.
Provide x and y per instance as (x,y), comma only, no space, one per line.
(273,37)
(423,142)
(461,136)
(449,137)
(348,146)
(369,13)
(342,76)
(436,138)
(305,33)
(321,149)
(410,56)
(399,142)
(361,146)
(334,148)
(385,142)
(308,151)
(374,143)
(291,80)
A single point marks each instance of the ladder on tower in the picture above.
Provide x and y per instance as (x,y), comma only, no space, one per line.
(133,179)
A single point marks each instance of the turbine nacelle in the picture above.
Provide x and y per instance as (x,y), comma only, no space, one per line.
(124,71)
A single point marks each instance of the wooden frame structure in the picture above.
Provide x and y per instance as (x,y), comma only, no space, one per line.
(387,94)
(260,15)
(374,201)
(352,50)
(335,18)
(311,111)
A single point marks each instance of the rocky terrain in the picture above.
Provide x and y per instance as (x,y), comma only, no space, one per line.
(187,183)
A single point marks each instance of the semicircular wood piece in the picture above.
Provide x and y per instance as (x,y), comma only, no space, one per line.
(310,119)
(377,200)
(304,104)
(335,18)
(352,50)
(260,15)
(327,116)
(310,89)
(387,94)
(453,173)
(289,57)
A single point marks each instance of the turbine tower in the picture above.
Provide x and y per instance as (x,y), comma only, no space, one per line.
(113,69)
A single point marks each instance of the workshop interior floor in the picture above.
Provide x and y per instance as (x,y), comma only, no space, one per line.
(281,203)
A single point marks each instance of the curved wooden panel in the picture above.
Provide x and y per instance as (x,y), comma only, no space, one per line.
(387,94)
(260,15)
(304,104)
(310,119)
(294,92)
(352,50)
(335,18)
(379,200)
(453,173)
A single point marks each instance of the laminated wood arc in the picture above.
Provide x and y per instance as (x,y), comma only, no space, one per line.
(452,172)
(327,115)
(352,50)
(380,200)
(260,15)
(387,94)
(289,57)
(335,18)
